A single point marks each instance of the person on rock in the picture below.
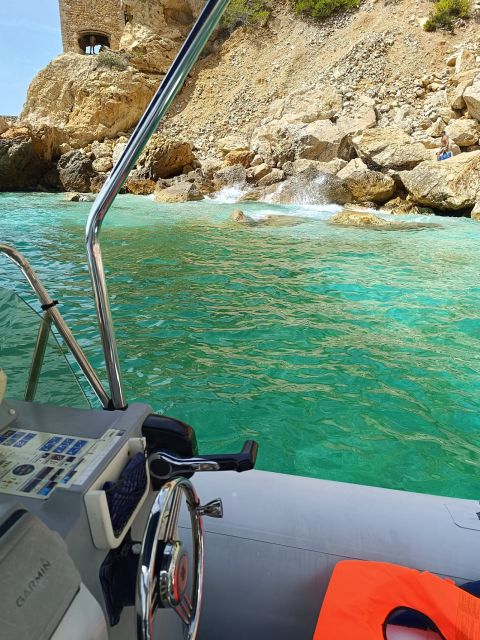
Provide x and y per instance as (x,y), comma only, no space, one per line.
(445,151)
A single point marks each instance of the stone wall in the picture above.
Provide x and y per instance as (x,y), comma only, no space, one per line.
(80,16)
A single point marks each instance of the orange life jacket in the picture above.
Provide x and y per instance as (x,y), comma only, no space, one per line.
(362,595)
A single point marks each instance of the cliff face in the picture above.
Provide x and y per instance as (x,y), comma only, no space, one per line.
(86,98)
(156,31)
(286,104)
(92,97)
(253,77)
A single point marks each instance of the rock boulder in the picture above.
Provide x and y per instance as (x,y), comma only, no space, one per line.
(164,158)
(461,83)
(75,170)
(140,186)
(464,132)
(4,126)
(366,185)
(311,105)
(471,95)
(232,143)
(325,188)
(239,156)
(313,167)
(475,214)
(22,163)
(320,140)
(274,142)
(179,192)
(389,148)
(229,177)
(450,185)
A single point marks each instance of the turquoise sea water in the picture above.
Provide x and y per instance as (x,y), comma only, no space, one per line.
(349,354)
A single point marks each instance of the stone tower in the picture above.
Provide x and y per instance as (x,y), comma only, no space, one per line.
(87,24)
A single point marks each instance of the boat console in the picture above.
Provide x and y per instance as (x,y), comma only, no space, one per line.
(55,526)
(76,490)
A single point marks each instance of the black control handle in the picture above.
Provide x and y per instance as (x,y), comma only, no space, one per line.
(164,465)
(243,461)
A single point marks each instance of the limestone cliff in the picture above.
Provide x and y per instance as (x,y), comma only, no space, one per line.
(86,98)
(347,107)
(156,30)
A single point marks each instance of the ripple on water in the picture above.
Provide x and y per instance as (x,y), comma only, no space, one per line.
(349,354)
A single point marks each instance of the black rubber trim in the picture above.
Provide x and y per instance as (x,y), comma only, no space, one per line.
(397,609)
(11,520)
(46,307)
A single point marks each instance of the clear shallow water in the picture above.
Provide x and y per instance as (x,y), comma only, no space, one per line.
(350,354)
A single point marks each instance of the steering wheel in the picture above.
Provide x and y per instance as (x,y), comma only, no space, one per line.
(162,578)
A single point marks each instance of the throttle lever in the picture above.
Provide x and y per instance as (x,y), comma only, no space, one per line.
(243,461)
(164,465)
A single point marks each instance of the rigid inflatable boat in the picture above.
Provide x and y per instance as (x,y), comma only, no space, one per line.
(102,532)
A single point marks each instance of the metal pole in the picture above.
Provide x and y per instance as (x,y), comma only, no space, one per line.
(59,322)
(38,356)
(173,81)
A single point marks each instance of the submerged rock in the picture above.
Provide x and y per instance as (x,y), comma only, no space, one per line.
(350,218)
(357,219)
(74,196)
(241,218)
(272,220)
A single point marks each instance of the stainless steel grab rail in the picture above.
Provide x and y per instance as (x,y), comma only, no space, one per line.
(173,81)
(54,314)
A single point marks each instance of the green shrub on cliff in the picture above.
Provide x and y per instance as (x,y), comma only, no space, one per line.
(446,12)
(245,12)
(324,8)
(112,60)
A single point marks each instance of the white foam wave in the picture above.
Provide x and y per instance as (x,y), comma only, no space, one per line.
(227,195)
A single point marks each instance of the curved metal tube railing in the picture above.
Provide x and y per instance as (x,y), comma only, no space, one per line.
(173,81)
(56,317)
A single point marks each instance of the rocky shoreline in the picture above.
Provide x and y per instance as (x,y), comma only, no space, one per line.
(317,145)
